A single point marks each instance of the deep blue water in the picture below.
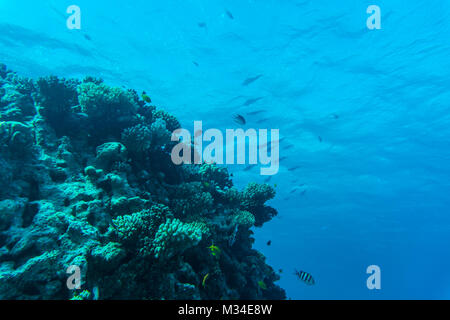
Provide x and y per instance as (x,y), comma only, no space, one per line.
(375,190)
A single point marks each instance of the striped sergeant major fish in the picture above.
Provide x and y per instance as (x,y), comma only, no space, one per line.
(305,277)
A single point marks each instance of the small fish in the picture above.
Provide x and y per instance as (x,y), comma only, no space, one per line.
(229,14)
(204,279)
(320,138)
(267,179)
(335,116)
(269,242)
(288,147)
(305,277)
(296,188)
(201,25)
(280,270)
(251,101)
(263,120)
(239,119)
(253,113)
(249,167)
(87,37)
(294,168)
(232,238)
(251,80)
(262,285)
(195,63)
(214,250)
(145,97)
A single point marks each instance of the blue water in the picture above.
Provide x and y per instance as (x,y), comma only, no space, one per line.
(374,191)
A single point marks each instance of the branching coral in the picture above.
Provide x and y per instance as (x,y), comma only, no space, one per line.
(138,140)
(174,237)
(109,109)
(219,176)
(56,97)
(135,228)
(244,218)
(253,199)
(188,199)
(171,122)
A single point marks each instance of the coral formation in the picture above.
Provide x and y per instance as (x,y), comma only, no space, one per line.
(87,181)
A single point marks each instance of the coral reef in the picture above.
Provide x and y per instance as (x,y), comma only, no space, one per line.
(87,180)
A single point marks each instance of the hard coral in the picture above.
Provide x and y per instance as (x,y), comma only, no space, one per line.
(88,181)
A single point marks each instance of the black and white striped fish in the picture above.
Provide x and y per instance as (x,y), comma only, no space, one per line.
(305,277)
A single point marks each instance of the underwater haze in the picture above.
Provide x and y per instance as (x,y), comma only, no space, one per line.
(363,116)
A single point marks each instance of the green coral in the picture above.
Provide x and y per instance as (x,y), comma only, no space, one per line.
(135,228)
(100,101)
(188,199)
(138,139)
(254,197)
(219,176)
(174,237)
(244,218)
(56,98)
(171,122)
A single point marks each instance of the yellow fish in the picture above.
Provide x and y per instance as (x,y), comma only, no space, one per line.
(204,279)
(262,285)
(146,98)
(214,250)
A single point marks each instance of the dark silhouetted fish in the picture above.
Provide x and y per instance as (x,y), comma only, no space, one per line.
(195,63)
(201,25)
(289,146)
(297,188)
(229,14)
(320,138)
(253,113)
(251,101)
(305,277)
(262,120)
(267,179)
(294,168)
(249,167)
(239,119)
(269,242)
(251,80)
(87,37)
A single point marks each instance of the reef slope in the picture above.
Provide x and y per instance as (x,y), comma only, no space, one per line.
(87,180)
